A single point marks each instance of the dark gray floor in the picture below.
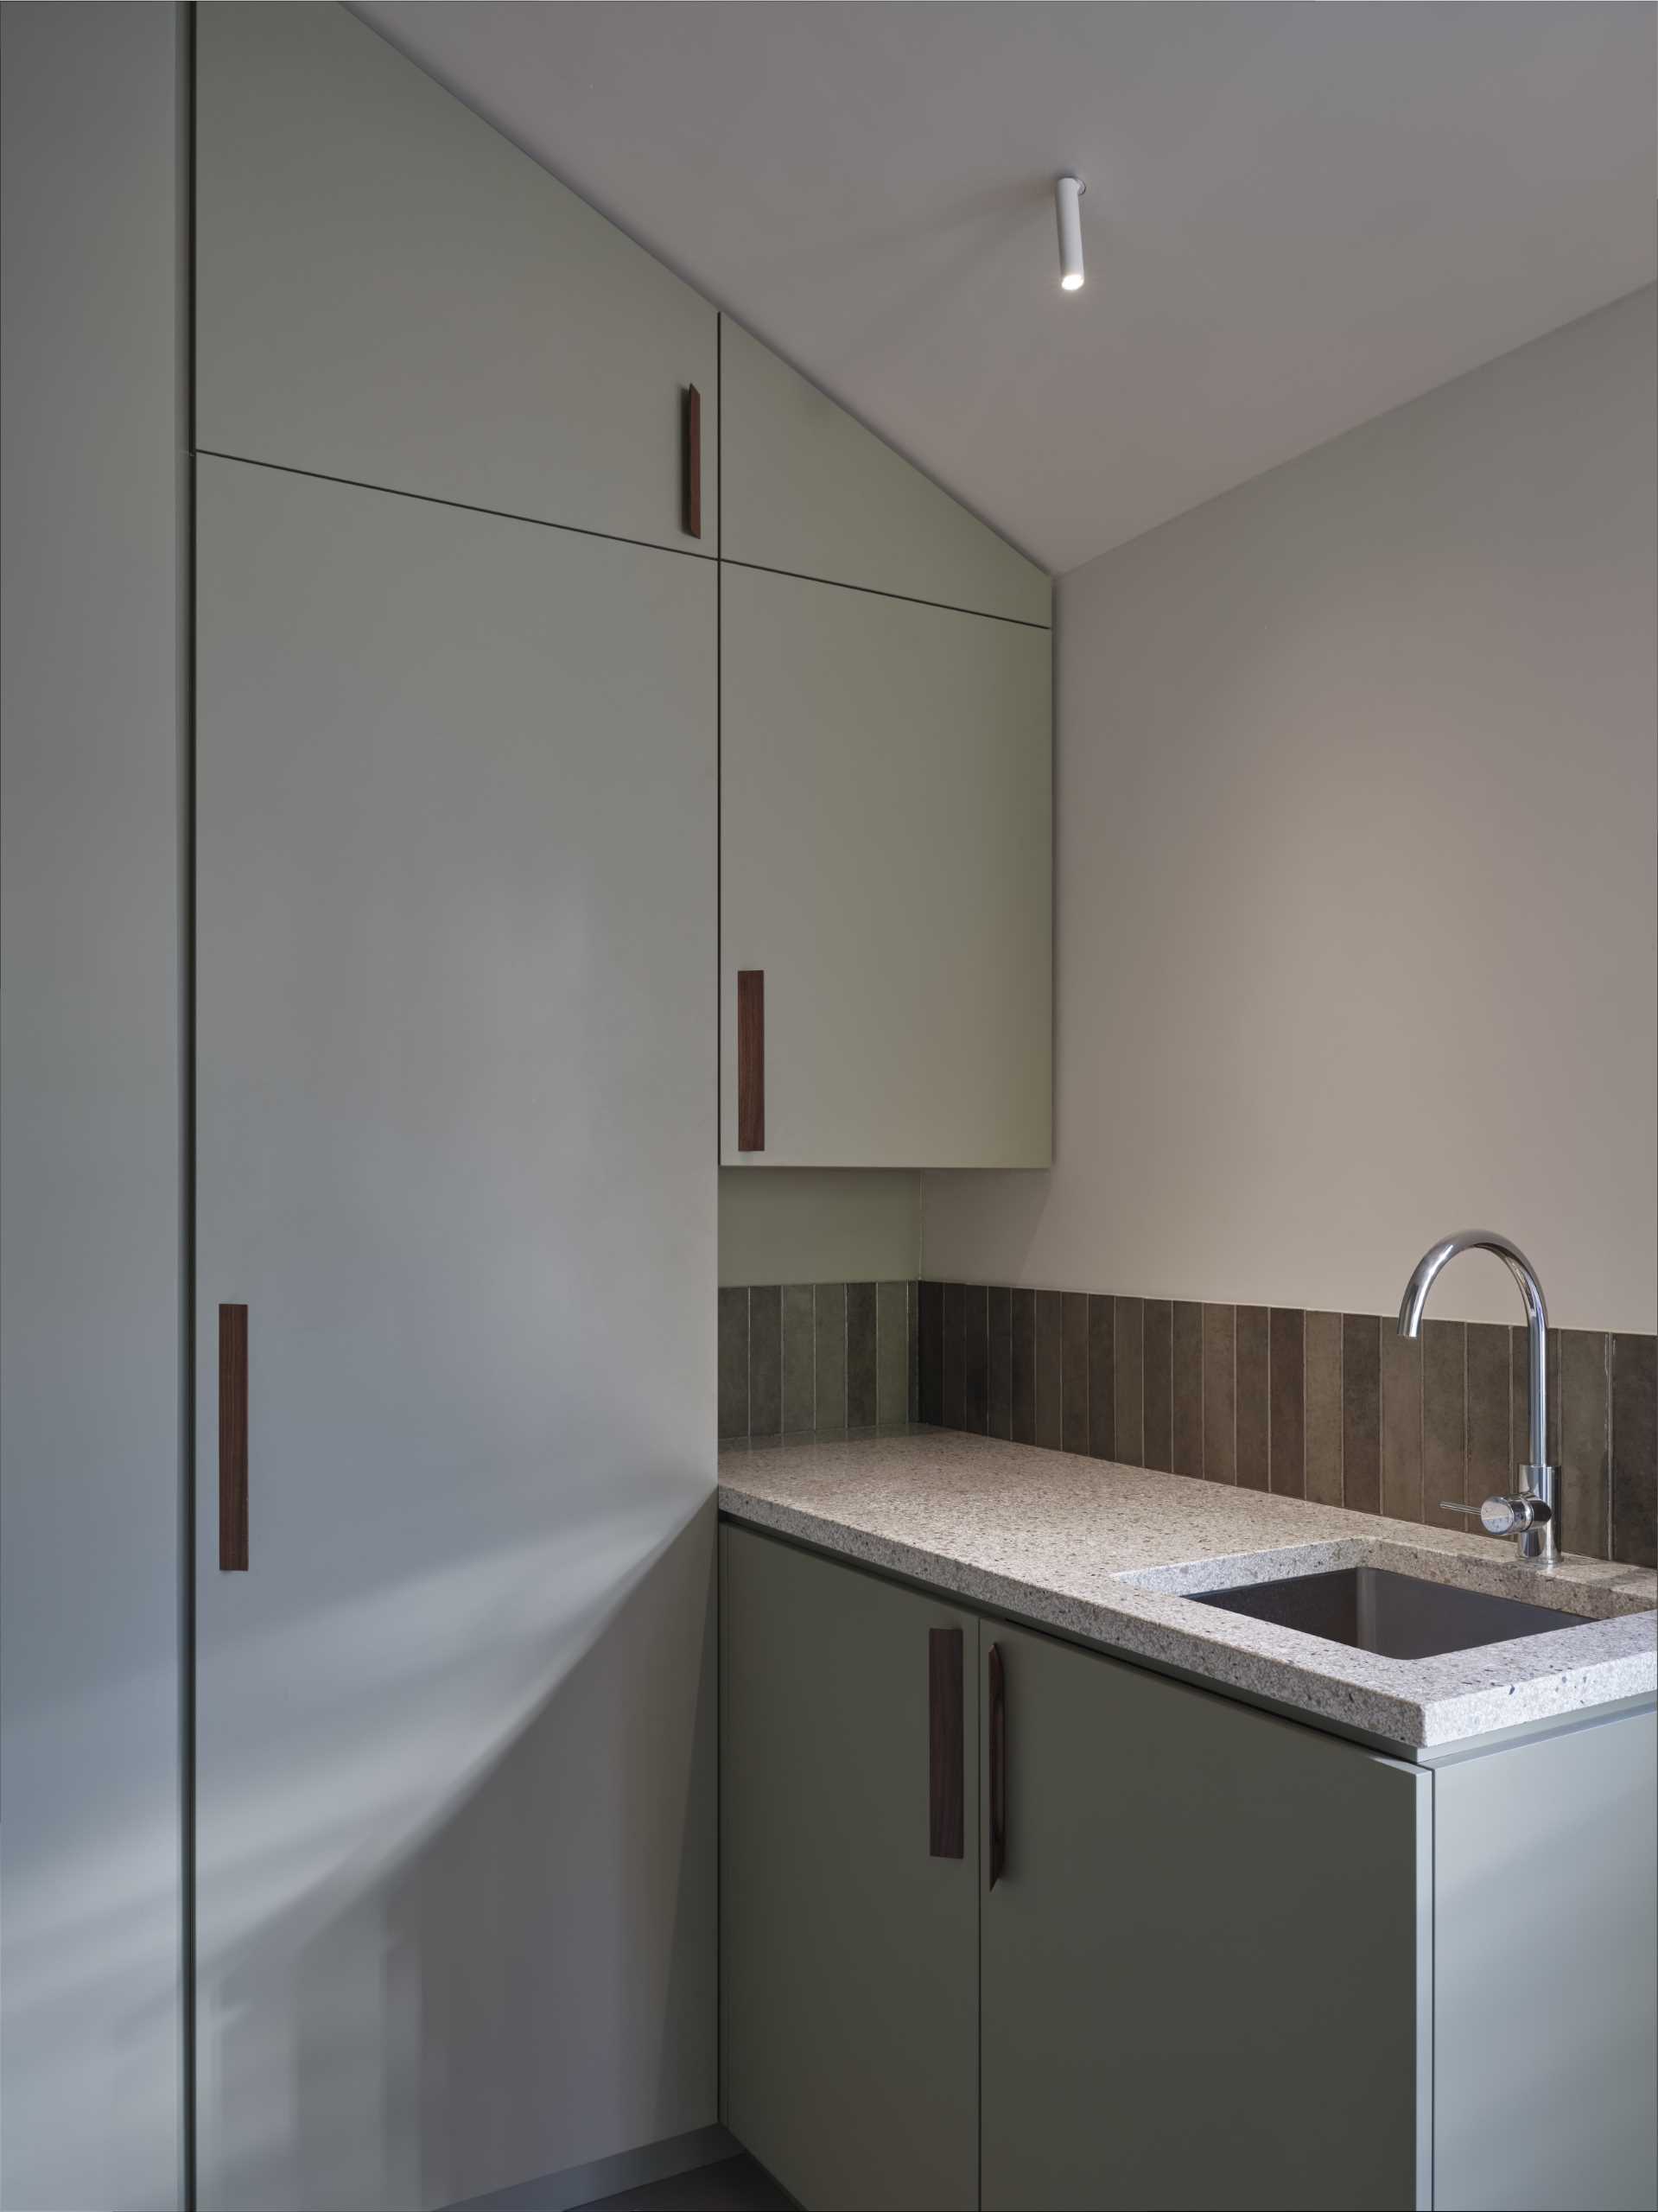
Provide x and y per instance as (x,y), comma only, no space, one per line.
(734,2185)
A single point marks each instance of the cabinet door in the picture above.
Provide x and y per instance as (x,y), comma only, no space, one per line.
(849,1950)
(886,850)
(389,292)
(455,1760)
(1205,1980)
(808,489)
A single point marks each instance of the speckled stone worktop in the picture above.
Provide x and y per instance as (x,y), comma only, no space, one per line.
(1105,1552)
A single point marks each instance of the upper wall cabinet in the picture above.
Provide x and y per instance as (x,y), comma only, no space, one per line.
(808,489)
(388,291)
(886,838)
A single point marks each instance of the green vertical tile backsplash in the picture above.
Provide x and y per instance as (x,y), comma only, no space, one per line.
(1330,1407)
(798,1358)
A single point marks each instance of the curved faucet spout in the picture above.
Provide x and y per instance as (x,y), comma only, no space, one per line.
(1536,1476)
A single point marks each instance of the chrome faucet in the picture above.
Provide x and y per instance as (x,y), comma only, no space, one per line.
(1530,1514)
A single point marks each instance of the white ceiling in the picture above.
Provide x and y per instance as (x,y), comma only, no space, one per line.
(1298,214)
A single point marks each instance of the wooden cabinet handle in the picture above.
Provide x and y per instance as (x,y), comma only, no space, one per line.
(691,459)
(998,1689)
(233,1439)
(751,1059)
(946,1758)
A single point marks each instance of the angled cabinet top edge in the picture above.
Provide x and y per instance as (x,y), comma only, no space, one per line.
(390,292)
(810,491)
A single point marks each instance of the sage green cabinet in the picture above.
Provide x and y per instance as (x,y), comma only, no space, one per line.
(1217,1958)
(808,489)
(455,1771)
(1200,1976)
(886,847)
(1204,1968)
(388,291)
(849,1952)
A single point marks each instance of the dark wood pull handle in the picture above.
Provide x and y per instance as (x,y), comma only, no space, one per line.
(233,1439)
(997,1767)
(691,457)
(751,1059)
(946,1759)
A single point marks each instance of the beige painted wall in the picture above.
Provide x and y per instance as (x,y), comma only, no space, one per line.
(819,1225)
(1357,807)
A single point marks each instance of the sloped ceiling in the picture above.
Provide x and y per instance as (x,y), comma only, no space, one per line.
(1298,214)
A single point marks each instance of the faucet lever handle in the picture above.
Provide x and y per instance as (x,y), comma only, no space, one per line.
(1502,1516)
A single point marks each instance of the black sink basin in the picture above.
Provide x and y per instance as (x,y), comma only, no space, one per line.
(1399,1616)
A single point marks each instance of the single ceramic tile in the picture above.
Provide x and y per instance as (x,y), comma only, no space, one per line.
(1520,1385)
(1401,1424)
(1494,1452)
(999,1389)
(1220,1395)
(954,1297)
(1252,1411)
(974,1358)
(733,1362)
(891,1351)
(1050,1367)
(830,1331)
(1445,1422)
(1101,1378)
(1128,1378)
(1634,1449)
(765,1359)
(861,1355)
(1287,1390)
(1022,1365)
(1186,1387)
(930,1352)
(1362,1413)
(1323,1371)
(1157,1394)
(1585,1443)
(799,1358)
(1073,1388)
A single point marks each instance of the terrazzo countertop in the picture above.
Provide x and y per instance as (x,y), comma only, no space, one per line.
(1106,1552)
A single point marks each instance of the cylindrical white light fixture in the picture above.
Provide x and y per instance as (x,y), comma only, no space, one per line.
(1068,194)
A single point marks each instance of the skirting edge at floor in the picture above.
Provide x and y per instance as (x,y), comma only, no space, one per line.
(675,2154)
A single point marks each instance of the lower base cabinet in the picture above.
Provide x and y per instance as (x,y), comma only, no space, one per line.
(850,1949)
(1191,1954)
(1201,1971)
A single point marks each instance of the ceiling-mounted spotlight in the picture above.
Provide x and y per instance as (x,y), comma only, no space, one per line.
(1068,194)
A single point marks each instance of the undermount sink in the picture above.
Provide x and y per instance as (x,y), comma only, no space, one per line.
(1397,1615)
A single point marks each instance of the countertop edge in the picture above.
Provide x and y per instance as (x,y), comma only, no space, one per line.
(1410,1724)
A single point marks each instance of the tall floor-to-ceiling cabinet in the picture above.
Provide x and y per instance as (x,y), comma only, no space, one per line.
(455,828)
